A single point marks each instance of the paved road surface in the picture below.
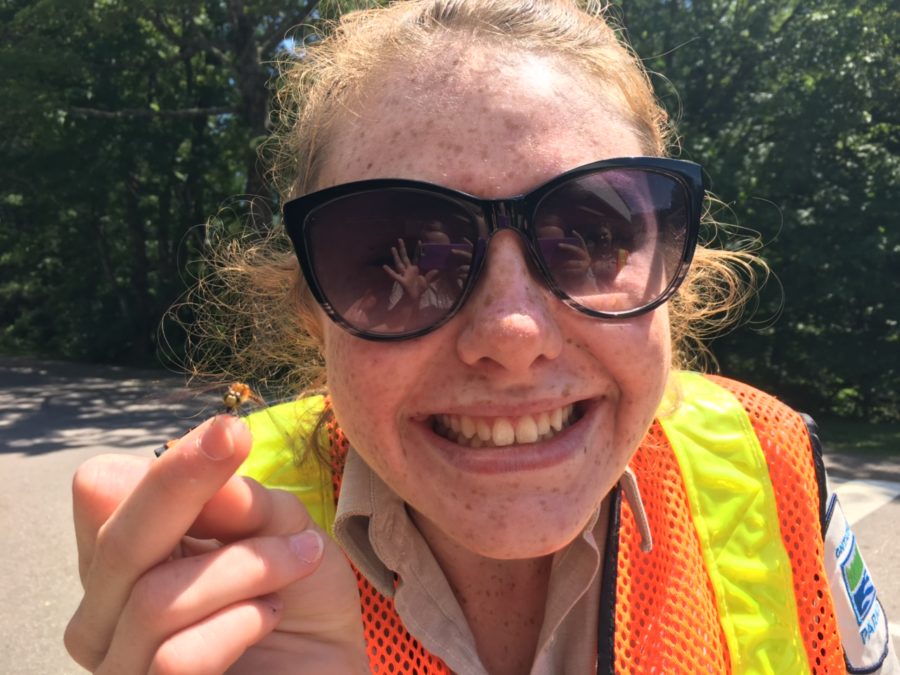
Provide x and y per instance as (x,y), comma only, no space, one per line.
(53,416)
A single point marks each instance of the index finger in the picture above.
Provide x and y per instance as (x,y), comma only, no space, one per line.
(149,523)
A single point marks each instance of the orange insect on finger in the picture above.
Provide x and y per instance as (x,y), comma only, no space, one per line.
(237,395)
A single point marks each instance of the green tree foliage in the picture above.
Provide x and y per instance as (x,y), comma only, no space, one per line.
(794,108)
(125,126)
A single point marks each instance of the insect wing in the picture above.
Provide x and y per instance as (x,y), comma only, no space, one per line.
(236,398)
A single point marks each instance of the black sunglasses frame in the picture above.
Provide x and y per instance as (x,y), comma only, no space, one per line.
(515,213)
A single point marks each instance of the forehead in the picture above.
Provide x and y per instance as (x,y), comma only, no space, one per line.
(487,122)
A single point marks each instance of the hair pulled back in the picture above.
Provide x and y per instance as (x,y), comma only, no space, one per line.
(256,319)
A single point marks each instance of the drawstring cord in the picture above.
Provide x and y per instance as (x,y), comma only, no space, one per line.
(629,485)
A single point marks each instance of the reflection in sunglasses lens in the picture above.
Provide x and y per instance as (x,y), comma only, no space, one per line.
(610,240)
(392,261)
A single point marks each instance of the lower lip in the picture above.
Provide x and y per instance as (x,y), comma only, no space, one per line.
(563,447)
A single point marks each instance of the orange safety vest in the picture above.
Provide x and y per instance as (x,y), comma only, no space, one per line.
(690,605)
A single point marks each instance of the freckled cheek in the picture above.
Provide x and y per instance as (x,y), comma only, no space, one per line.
(367,390)
(644,366)
(352,373)
(340,370)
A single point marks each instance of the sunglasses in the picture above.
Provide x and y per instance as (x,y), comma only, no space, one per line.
(392,259)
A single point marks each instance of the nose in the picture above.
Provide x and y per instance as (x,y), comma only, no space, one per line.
(509,318)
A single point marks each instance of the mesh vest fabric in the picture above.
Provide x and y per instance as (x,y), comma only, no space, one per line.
(666,620)
(665,615)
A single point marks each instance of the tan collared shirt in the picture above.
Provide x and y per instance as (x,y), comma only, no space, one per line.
(374,528)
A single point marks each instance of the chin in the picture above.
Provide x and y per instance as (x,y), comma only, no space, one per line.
(505,532)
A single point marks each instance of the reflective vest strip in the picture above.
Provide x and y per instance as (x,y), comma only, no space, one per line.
(733,508)
(277,462)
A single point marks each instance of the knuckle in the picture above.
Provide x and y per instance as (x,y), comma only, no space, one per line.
(77,641)
(168,660)
(287,506)
(87,477)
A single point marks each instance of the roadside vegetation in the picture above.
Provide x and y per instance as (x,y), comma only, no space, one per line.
(129,134)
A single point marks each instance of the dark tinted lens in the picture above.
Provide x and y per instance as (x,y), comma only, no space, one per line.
(392,261)
(613,240)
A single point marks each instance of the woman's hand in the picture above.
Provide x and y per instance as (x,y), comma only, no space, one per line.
(190,569)
(407,274)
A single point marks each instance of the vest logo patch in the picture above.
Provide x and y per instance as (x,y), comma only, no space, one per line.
(859,585)
(860,616)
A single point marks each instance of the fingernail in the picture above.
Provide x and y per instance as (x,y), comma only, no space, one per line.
(307,546)
(216,442)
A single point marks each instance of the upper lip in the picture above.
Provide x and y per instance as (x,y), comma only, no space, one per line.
(512,409)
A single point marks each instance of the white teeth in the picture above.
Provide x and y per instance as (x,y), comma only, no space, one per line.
(503,432)
(481,432)
(467,426)
(543,423)
(484,430)
(556,419)
(526,430)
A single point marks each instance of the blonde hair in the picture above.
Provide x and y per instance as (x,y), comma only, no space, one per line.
(254,301)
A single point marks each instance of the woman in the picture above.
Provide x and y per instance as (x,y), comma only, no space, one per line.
(476,445)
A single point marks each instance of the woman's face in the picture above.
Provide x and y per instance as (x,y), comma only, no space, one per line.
(494,126)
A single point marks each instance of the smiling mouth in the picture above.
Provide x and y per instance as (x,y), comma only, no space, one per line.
(497,432)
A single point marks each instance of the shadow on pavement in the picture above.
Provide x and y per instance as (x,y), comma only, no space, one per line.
(862,466)
(51,406)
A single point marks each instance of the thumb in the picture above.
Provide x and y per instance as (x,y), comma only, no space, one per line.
(325,603)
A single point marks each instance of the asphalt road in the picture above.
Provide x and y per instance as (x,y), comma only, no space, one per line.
(53,416)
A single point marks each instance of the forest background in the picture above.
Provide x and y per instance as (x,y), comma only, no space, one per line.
(128,128)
